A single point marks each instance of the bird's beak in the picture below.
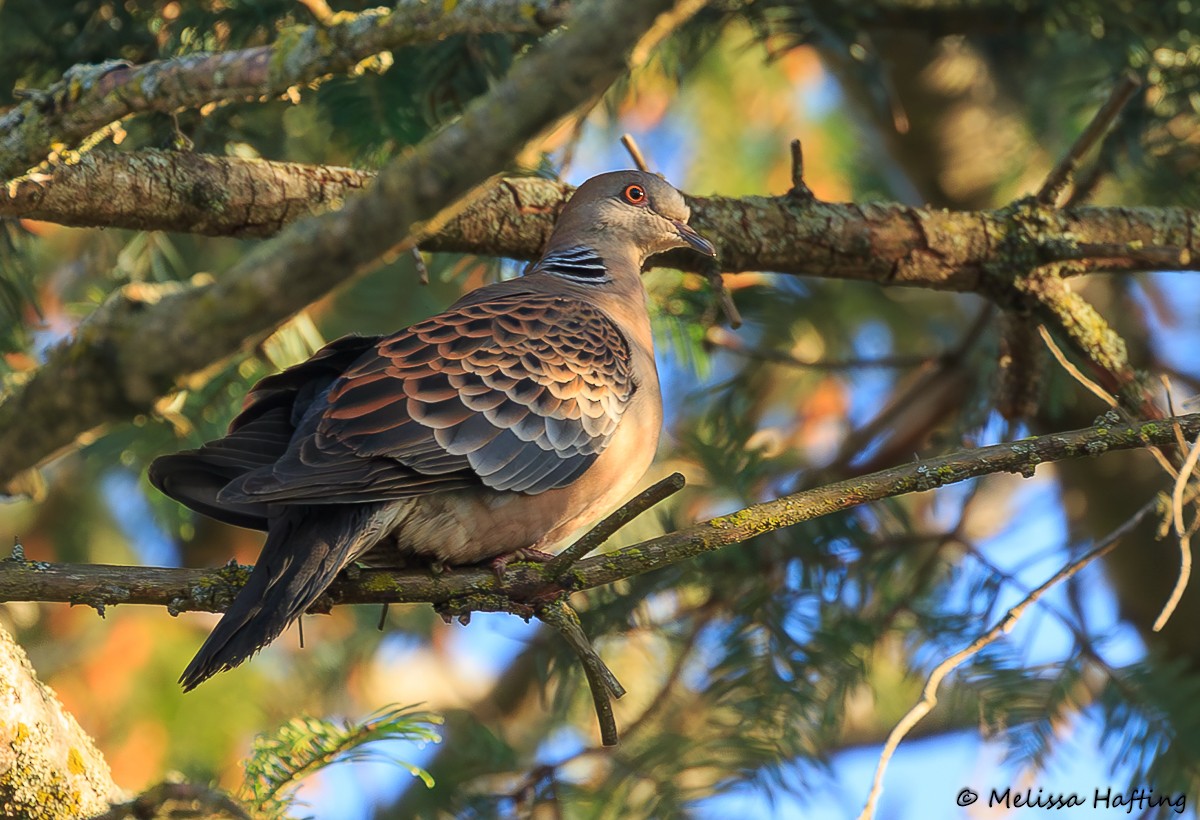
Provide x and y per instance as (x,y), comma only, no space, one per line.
(693,239)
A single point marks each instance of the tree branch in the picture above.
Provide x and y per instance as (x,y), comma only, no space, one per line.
(89,97)
(524,584)
(107,373)
(180,191)
(49,767)
(966,251)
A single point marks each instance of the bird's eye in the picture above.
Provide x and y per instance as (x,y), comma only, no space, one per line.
(635,195)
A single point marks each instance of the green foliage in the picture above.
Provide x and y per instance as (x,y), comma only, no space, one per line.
(1149,712)
(305,745)
(375,115)
(1027,709)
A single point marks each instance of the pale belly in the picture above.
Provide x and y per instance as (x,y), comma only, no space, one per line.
(469,526)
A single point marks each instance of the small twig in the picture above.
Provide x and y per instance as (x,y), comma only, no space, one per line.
(799,186)
(600,678)
(1061,174)
(635,153)
(1074,372)
(1185,541)
(1180,441)
(1104,395)
(561,564)
(179,140)
(1002,627)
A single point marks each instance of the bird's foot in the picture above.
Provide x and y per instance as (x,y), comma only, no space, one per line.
(501,562)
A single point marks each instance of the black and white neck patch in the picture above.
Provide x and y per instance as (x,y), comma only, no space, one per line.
(579,264)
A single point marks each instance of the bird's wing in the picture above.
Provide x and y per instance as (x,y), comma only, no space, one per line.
(520,392)
(257,438)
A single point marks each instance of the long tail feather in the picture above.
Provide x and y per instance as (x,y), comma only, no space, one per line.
(306,548)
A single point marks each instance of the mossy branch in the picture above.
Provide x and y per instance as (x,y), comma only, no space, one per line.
(527,584)
(49,767)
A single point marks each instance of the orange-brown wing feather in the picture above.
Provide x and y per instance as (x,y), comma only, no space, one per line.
(520,392)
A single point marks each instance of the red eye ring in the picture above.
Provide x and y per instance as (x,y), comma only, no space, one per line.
(635,195)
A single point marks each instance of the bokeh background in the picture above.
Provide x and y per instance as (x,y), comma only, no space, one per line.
(763,678)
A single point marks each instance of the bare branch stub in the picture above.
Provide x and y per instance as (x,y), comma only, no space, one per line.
(601,681)
(635,153)
(799,187)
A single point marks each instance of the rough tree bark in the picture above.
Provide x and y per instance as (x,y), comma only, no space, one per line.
(49,768)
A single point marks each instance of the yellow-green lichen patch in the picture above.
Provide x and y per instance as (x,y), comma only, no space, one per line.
(75,761)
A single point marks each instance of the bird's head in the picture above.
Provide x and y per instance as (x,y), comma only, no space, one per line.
(624,209)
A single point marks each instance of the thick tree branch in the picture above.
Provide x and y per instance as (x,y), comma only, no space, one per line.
(88,98)
(969,251)
(180,191)
(108,372)
(49,767)
(524,584)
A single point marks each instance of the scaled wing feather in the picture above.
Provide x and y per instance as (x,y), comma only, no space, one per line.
(520,392)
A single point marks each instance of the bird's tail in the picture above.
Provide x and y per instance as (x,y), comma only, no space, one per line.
(306,548)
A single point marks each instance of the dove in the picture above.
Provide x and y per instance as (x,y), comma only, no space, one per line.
(528,409)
